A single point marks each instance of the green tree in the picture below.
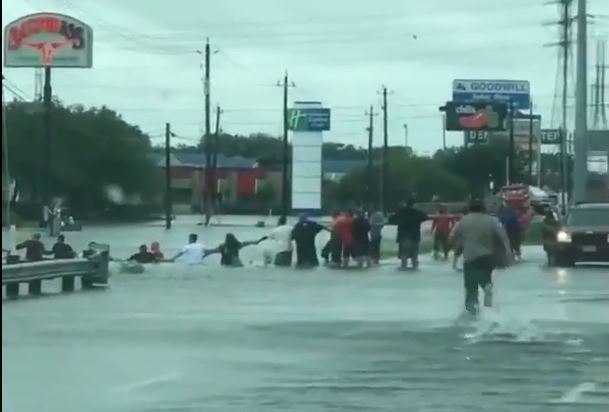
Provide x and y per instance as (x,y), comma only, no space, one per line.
(92,149)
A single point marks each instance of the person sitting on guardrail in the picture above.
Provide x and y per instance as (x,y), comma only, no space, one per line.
(34,248)
(61,250)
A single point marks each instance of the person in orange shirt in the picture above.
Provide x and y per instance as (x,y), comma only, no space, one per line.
(343,227)
(442,225)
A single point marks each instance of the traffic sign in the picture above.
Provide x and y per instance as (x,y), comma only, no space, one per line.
(550,136)
(516,93)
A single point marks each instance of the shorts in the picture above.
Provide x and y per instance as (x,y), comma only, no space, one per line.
(408,248)
(283,259)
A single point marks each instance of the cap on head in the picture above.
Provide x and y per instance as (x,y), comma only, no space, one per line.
(282,221)
(143,248)
(61,238)
(193,237)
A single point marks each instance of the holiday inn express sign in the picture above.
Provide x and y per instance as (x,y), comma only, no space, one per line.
(309,119)
(48,40)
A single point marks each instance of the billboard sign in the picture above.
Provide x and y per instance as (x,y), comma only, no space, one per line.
(476,137)
(514,92)
(475,116)
(550,137)
(309,119)
(48,40)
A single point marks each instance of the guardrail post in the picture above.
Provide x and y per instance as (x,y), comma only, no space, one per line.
(67,284)
(35,287)
(12,290)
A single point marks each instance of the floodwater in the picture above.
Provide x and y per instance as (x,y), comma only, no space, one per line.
(206,338)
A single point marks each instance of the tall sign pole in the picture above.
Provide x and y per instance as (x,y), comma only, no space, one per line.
(580,169)
(48,40)
(285,158)
(207,144)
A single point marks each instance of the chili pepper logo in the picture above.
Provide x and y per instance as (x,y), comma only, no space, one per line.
(486,118)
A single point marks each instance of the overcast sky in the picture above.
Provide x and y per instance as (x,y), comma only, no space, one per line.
(339,52)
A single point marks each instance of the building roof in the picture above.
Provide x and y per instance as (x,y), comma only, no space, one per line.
(197,160)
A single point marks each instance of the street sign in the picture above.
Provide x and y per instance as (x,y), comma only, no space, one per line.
(550,136)
(475,116)
(309,119)
(514,92)
(476,137)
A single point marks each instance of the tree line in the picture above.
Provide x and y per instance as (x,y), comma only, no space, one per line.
(96,154)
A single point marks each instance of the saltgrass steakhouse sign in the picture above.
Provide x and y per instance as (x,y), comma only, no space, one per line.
(48,40)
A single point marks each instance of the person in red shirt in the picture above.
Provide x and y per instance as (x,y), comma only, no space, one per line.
(343,229)
(442,225)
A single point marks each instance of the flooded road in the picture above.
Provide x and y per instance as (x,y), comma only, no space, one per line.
(207,338)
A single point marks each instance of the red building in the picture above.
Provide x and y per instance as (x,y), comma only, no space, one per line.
(238,179)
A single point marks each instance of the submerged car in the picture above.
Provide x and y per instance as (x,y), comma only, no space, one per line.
(584,236)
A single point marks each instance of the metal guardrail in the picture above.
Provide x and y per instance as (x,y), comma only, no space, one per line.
(92,271)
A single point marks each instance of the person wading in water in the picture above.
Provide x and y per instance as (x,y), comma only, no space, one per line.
(485,247)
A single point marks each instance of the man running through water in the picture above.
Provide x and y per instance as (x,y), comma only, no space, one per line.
(485,246)
(409,220)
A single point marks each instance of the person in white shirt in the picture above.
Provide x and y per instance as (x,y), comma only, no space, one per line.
(282,236)
(193,253)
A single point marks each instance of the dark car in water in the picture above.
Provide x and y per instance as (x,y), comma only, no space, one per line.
(584,236)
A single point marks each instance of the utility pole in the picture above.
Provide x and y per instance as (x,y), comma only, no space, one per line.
(531,143)
(595,89)
(369,171)
(604,68)
(406,135)
(207,140)
(286,155)
(385,157)
(565,44)
(168,200)
(511,175)
(214,160)
(580,170)
(48,123)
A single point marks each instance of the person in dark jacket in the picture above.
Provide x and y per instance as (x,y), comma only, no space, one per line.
(409,220)
(509,219)
(360,228)
(304,233)
(61,250)
(143,256)
(34,248)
